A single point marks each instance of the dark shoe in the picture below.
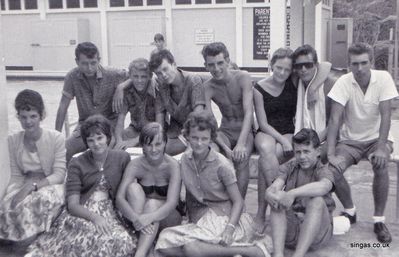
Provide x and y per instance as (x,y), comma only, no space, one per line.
(351,218)
(382,232)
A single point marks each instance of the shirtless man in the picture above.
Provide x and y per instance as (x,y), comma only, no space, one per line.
(231,90)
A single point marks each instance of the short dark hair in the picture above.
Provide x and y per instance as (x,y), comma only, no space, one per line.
(28,100)
(281,53)
(157,58)
(89,49)
(96,124)
(305,50)
(306,137)
(203,120)
(361,48)
(140,64)
(149,131)
(214,49)
(159,37)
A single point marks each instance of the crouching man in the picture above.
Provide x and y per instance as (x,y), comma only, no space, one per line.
(301,200)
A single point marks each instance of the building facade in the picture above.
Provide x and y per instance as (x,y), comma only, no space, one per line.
(40,36)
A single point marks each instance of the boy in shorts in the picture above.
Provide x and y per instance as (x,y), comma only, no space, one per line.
(301,201)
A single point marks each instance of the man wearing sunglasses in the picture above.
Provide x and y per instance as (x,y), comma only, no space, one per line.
(315,81)
(361,112)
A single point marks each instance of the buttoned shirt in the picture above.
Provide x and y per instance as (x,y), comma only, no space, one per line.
(192,95)
(362,118)
(140,106)
(294,177)
(94,95)
(208,183)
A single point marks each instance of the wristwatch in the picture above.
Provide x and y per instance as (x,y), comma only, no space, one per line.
(34,186)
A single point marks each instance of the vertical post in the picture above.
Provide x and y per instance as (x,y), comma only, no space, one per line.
(104,32)
(318,30)
(168,25)
(395,66)
(239,44)
(296,24)
(4,158)
(278,26)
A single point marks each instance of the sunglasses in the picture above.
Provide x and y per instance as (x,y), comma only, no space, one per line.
(307,65)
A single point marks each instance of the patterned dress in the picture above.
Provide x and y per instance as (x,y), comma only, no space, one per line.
(31,216)
(74,236)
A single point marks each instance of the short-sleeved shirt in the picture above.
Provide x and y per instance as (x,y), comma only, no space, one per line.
(294,177)
(140,107)
(94,95)
(179,109)
(207,184)
(362,116)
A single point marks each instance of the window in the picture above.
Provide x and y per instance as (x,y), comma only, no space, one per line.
(154,2)
(72,4)
(3,4)
(135,2)
(224,1)
(255,1)
(30,4)
(90,3)
(183,1)
(14,4)
(55,4)
(203,1)
(117,3)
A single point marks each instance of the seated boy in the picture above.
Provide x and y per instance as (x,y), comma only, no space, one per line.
(301,199)
(139,99)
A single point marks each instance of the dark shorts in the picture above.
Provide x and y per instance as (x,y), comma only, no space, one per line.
(353,151)
(294,222)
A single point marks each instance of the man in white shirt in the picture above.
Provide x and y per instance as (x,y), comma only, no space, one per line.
(361,103)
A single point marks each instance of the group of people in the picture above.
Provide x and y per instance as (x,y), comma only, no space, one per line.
(312,124)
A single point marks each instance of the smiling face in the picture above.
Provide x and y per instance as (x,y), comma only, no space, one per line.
(282,69)
(217,65)
(140,79)
(97,143)
(154,151)
(88,66)
(360,65)
(306,155)
(199,140)
(166,72)
(30,120)
(305,67)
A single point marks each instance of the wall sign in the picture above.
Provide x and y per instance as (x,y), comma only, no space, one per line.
(204,36)
(261,23)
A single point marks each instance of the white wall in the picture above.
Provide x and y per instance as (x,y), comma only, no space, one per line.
(186,21)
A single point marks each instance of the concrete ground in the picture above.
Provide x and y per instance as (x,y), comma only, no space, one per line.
(359,241)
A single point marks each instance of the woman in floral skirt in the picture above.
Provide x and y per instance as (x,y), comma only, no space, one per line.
(91,226)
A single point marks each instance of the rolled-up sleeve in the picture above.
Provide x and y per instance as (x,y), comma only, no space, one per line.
(68,90)
(198,93)
(74,182)
(59,165)
(226,174)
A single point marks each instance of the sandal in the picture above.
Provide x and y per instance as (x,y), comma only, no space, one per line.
(265,244)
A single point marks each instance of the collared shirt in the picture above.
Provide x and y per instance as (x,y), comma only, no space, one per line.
(207,184)
(362,116)
(180,106)
(141,107)
(94,95)
(294,177)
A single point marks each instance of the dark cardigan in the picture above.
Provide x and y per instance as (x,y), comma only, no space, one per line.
(83,174)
